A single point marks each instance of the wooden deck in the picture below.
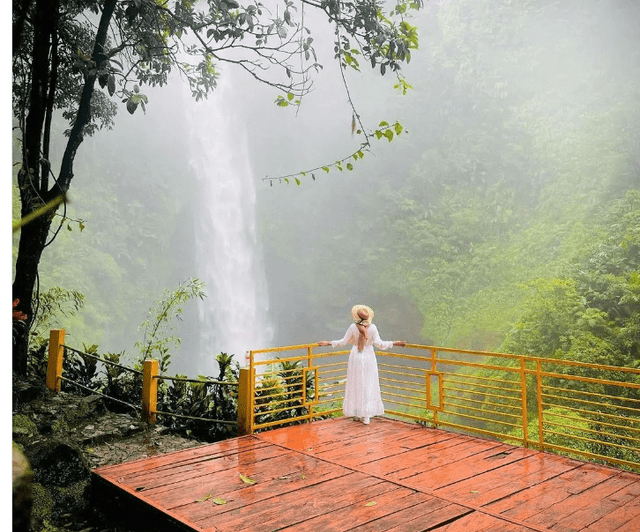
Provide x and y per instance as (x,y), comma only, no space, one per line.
(339,474)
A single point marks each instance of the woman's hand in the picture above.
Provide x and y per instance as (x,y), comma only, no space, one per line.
(324,343)
(401,343)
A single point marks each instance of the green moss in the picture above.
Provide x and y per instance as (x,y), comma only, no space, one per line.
(42,504)
(23,426)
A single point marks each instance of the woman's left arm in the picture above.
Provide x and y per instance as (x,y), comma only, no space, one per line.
(377,341)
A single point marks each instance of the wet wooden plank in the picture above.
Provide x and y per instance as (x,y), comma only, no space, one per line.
(526,504)
(179,458)
(579,511)
(426,505)
(299,506)
(361,513)
(203,466)
(294,478)
(496,484)
(442,470)
(625,518)
(433,520)
(229,480)
(443,450)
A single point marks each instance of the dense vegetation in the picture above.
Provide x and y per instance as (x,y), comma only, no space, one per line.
(509,217)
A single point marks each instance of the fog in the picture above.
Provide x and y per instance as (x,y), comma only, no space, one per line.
(283,264)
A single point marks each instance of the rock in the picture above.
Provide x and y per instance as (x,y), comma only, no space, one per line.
(22,476)
(58,463)
(26,391)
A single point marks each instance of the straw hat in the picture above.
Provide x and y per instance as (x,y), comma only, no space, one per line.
(356,318)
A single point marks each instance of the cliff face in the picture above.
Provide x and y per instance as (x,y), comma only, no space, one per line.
(63,437)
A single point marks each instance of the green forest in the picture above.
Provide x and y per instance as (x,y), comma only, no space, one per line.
(506,217)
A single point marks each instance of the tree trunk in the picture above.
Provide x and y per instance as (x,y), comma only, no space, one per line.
(33,192)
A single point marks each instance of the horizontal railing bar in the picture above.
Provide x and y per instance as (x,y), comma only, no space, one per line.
(477,418)
(495,395)
(391,394)
(476,401)
(560,376)
(593,456)
(95,392)
(108,362)
(586,402)
(590,431)
(515,388)
(452,375)
(197,381)
(450,403)
(466,429)
(584,392)
(182,416)
(607,444)
(479,365)
(592,413)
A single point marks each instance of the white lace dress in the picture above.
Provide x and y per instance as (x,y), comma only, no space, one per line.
(362,394)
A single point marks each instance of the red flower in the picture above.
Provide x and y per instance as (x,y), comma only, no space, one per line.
(17,314)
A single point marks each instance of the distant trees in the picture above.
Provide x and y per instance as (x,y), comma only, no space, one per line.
(79,56)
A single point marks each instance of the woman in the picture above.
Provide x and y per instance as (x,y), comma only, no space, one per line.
(362,398)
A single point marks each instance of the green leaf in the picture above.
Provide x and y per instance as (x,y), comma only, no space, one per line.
(219,501)
(246,479)
(326,169)
(371,503)
(205,498)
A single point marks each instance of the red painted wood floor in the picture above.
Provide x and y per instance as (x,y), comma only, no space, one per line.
(339,474)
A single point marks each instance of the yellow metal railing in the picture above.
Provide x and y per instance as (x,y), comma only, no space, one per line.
(585,410)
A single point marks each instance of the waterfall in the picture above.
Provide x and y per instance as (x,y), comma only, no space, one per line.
(234,315)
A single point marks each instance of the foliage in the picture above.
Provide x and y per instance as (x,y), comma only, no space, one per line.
(157,326)
(590,316)
(53,305)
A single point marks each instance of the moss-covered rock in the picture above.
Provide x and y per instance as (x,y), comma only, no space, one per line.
(42,506)
(23,426)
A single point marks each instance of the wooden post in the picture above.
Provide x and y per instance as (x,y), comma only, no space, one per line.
(56,356)
(244,402)
(149,390)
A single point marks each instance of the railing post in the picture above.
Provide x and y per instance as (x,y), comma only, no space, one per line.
(304,384)
(539,396)
(434,369)
(523,390)
(56,356)
(244,402)
(149,390)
